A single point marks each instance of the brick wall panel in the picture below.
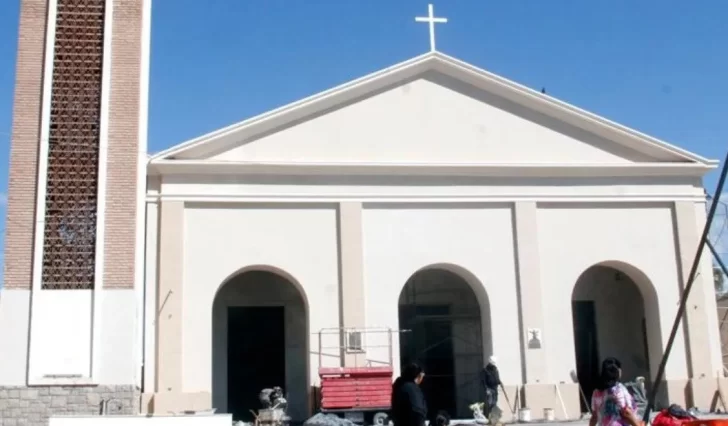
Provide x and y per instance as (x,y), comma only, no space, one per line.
(24,145)
(123,144)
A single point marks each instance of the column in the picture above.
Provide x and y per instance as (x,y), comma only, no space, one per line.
(703,370)
(170,396)
(352,280)
(537,391)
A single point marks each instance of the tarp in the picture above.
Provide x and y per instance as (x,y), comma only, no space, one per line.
(321,419)
(639,396)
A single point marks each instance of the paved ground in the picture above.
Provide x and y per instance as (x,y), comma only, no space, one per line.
(575,422)
(533,423)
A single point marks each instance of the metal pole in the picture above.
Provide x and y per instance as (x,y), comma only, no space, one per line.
(686,292)
(389,340)
(320,348)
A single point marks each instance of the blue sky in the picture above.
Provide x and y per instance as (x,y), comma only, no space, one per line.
(660,66)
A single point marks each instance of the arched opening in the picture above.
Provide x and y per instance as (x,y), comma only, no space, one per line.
(615,314)
(260,340)
(445,318)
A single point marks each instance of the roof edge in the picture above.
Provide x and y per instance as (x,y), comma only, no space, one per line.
(579,112)
(429,169)
(191,143)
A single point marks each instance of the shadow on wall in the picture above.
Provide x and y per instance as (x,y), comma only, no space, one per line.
(615,313)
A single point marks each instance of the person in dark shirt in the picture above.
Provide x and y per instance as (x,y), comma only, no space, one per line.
(490,379)
(408,402)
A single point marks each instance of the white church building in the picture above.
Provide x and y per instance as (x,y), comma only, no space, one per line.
(507,210)
(469,215)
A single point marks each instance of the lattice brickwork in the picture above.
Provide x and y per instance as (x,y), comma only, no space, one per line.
(70,220)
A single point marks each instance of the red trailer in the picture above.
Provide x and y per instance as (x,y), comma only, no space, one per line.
(361,392)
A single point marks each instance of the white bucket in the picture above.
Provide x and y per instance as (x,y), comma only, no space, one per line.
(524,415)
(548,414)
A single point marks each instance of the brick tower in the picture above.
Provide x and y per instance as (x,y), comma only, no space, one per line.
(70,309)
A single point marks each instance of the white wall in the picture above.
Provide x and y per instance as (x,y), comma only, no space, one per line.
(14,321)
(117,351)
(223,239)
(61,334)
(416,188)
(573,238)
(150,302)
(62,337)
(400,240)
(409,122)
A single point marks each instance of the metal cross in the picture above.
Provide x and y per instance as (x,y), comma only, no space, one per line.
(430,19)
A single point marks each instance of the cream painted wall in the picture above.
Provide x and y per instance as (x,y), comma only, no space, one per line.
(222,239)
(573,238)
(412,120)
(476,240)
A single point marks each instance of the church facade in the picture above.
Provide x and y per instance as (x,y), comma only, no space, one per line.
(429,212)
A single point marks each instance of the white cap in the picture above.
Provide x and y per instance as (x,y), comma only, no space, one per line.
(493,360)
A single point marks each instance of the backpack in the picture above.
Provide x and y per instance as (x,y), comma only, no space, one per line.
(673,416)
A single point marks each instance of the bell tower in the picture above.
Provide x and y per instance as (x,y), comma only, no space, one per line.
(75,216)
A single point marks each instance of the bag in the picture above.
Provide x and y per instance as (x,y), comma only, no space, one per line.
(441,419)
(638,396)
(665,418)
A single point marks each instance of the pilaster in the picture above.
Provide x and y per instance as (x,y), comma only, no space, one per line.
(529,289)
(169,297)
(351,277)
(701,366)
(536,392)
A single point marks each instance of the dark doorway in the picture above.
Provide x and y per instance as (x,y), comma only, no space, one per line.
(256,356)
(586,344)
(429,343)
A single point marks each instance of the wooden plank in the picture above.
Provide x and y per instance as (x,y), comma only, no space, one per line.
(357,388)
(364,382)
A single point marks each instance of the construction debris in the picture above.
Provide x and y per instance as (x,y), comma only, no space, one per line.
(322,419)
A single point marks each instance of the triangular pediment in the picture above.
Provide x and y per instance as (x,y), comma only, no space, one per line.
(431,118)
(430,110)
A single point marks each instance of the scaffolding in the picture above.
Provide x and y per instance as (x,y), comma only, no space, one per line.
(718,245)
(444,323)
(723,330)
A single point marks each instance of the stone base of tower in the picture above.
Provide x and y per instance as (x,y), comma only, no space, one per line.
(32,406)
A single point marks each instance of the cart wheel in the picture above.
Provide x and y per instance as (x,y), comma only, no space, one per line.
(380,419)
